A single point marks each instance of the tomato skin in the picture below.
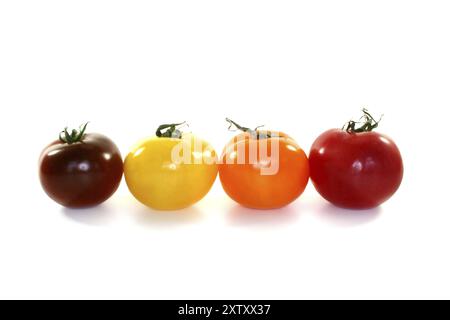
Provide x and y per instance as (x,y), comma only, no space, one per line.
(159,182)
(82,174)
(244,182)
(355,170)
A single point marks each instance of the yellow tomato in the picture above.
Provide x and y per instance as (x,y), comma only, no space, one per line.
(167,173)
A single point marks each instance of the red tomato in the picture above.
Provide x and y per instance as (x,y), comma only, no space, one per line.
(80,170)
(356,168)
(248,182)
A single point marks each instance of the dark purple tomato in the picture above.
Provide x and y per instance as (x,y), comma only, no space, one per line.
(80,170)
(356,168)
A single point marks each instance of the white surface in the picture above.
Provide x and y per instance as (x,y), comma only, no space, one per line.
(299,67)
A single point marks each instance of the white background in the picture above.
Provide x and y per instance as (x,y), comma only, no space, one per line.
(301,67)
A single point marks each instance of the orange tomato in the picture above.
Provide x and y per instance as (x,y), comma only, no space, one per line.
(263,169)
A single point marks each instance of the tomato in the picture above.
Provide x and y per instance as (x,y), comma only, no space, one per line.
(171,171)
(80,170)
(263,169)
(356,168)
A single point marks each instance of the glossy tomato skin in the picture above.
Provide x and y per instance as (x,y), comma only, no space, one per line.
(245,183)
(355,170)
(160,182)
(81,174)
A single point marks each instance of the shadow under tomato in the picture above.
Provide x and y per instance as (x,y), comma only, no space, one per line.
(149,217)
(95,216)
(238,215)
(346,217)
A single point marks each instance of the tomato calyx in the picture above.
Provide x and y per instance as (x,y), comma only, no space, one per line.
(74,136)
(367,123)
(170,130)
(255,133)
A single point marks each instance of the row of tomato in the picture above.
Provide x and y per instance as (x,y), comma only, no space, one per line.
(353,167)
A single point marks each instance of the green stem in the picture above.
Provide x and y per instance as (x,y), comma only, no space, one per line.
(170,130)
(74,136)
(254,133)
(367,124)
